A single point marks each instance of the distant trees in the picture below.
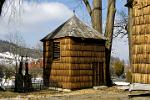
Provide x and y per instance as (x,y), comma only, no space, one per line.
(121,24)
(6,72)
(118,67)
(38,49)
(129,76)
(36,71)
(18,49)
(9,72)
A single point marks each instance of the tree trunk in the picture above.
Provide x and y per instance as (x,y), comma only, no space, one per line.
(97,15)
(1,6)
(111,10)
(129,29)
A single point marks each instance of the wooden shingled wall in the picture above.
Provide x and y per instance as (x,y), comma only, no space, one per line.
(141,41)
(74,70)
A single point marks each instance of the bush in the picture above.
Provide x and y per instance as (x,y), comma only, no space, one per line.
(129,76)
(6,71)
(118,67)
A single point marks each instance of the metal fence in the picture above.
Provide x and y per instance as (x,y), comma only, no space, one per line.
(37,85)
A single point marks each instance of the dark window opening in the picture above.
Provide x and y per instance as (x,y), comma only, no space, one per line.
(56,50)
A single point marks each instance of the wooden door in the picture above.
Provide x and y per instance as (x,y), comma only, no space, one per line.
(98,73)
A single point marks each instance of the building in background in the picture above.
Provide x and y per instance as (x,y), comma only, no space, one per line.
(139,35)
(74,56)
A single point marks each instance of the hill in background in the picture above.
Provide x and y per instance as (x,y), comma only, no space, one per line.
(5,47)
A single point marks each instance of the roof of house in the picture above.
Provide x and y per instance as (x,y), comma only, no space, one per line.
(74,28)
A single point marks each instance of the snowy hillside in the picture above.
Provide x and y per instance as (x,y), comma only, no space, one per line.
(6,47)
(8,58)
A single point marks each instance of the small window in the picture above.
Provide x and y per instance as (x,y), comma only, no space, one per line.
(56,50)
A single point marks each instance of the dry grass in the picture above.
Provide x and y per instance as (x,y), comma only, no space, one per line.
(11,94)
(8,94)
(111,93)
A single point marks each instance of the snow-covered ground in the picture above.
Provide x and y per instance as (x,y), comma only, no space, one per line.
(37,80)
(122,83)
(7,84)
(10,83)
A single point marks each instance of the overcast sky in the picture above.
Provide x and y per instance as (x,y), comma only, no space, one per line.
(40,17)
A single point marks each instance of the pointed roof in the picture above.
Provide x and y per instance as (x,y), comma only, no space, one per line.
(74,28)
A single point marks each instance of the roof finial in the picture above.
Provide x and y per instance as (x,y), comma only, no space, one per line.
(74,12)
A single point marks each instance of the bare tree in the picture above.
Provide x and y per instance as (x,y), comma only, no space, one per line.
(11,6)
(39,48)
(123,27)
(96,15)
(17,47)
(111,10)
(129,28)
(121,24)
(96,18)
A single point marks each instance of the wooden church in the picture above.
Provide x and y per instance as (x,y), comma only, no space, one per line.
(74,56)
(139,29)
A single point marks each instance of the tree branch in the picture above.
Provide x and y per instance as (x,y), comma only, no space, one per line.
(88,6)
(1,6)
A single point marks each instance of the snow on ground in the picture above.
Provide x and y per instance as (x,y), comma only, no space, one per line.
(122,83)
(7,83)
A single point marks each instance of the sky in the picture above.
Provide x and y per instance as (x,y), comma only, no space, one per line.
(37,18)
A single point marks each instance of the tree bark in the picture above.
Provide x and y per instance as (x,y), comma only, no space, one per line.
(97,15)
(1,6)
(129,30)
(110,22)
(111,10)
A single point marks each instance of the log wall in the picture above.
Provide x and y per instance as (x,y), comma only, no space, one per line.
(73,70)
(141,41)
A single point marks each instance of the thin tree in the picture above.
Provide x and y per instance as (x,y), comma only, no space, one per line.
(121,25)
(39,48)
(17,47)
(129,28)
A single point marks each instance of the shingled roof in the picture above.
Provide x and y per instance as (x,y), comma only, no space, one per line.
(74,28)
